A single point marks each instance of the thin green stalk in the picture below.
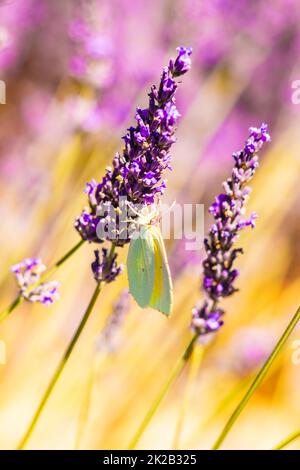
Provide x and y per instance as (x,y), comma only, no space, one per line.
(59,262)
(86,406)
(225,402)
(194,366)
(258,380)
(64,258)
(59,369)
(11,307)
(292,437)
(7,311)
(162,393)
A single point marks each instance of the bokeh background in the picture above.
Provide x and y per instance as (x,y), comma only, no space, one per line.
(68,103)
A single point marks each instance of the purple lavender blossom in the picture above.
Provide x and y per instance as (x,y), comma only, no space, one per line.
(183,61)
(249,348)
(27,274)
(105,269)
(137,173)
(227,210)
(206,319)
(108,338)
(91,50)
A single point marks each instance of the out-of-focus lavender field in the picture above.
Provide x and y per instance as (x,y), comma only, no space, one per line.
(75,71)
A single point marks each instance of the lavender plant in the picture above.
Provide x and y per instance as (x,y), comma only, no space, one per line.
(219,274)
(136,175)
(221,253)
(219,277)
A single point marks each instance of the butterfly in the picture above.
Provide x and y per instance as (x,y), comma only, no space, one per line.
(148,270)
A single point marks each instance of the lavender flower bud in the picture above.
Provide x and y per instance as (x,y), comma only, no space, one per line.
(183,62)
(206,320)
(105,269)
(227,210)
(27,274)
(137,173)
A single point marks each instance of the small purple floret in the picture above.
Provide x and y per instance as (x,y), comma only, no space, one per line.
(105,269)
(27,274)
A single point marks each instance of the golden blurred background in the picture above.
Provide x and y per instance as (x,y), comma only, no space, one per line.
(62,122)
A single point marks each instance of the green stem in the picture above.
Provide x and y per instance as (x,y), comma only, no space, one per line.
(68,254)
(194,366)
(288,440)
(7,311)
(258,380)
(60,368)
(61,261)
(162,393)
(11,307)
(86,405)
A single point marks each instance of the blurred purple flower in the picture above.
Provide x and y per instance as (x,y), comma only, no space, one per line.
(227,210)
(90,48)
(253,22)
(17,18)
(27,274)
(108,338)
(78,29)
(250,347)
(78,66)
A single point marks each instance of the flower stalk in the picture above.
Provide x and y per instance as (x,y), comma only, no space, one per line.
(106,344)
(177,369)
(194,366)
(258,380)
(288,440)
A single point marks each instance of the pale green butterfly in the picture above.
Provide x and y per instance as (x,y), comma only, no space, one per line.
(148,270)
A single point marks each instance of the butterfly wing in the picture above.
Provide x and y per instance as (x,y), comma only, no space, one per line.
(140,267)
(162,294)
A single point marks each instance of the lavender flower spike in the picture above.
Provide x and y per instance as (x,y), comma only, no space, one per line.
(137,173)
(27,274)
(227,210)
(105,269)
